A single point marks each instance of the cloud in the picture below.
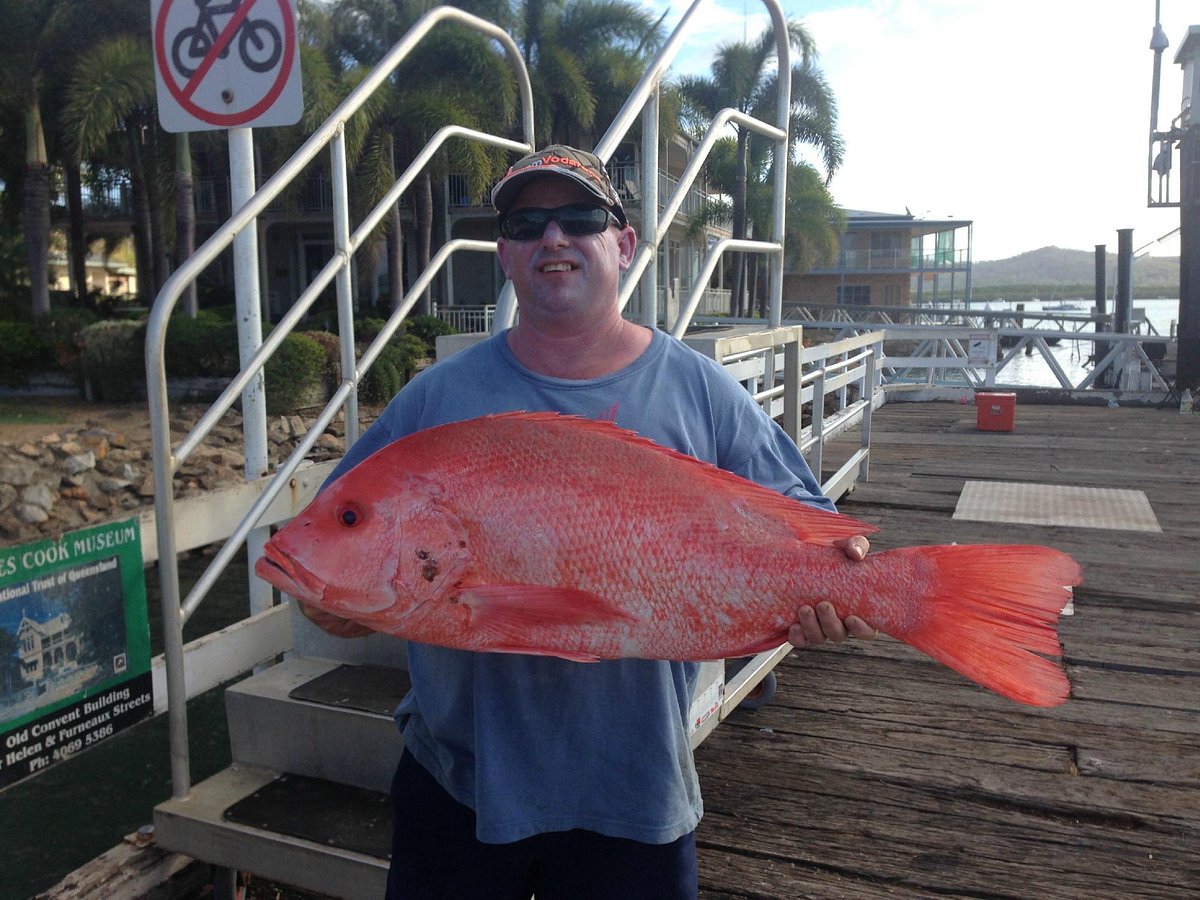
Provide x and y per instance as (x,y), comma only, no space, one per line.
(1028,117)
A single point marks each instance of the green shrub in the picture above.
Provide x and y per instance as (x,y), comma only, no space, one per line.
(428,328)
(332,346)
(26,347)
(294,372)
(63,327)
(203,346)
(112,359)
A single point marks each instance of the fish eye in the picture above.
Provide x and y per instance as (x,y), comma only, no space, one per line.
(350,515)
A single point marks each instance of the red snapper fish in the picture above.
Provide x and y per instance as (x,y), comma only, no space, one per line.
(554,535)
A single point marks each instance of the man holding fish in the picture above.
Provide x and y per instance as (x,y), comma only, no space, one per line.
(531,774)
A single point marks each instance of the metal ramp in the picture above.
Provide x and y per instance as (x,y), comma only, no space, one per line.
(312,737)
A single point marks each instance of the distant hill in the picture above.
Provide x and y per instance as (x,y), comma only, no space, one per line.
(1054,272)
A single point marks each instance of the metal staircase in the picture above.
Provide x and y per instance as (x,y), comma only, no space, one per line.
(312,737)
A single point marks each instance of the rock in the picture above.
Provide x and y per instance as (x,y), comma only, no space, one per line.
(28,514)
(69,479)
(17,474)
(39,495)
(79,462)
(96,441)
(113,485)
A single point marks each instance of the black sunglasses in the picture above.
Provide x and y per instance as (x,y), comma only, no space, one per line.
(530,223)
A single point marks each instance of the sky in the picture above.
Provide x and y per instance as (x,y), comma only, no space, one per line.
(1030,118)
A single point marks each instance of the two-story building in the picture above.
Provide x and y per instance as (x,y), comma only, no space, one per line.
(887,259)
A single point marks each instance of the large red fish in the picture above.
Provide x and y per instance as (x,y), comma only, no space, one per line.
(547,534)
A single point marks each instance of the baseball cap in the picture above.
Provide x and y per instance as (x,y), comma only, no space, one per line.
(582,167)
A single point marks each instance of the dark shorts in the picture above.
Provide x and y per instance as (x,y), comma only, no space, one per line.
(435,854)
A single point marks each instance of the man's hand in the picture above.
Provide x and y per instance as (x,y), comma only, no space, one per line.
(335,625)
(816,626)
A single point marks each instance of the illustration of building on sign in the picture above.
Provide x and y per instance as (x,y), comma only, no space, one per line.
(48,648)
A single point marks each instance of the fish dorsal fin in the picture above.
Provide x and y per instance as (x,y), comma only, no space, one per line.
(814,526)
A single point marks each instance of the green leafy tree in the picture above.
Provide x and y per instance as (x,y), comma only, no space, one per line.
(745,77)
(584,58)
(438,84)
(39,42)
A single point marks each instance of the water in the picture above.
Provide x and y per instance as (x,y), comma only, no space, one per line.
(1072,356)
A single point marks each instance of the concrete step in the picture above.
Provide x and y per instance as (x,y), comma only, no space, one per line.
(320,718)
(306,800)
(315,835)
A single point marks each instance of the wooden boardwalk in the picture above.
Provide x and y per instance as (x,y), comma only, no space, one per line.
(876,772)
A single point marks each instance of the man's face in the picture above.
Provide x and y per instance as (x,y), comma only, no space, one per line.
(563,276)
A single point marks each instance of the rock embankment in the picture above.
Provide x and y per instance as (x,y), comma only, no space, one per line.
(69,479)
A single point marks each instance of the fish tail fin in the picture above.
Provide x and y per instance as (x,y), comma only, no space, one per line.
(991,615)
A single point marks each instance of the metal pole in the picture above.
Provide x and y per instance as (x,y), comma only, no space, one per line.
(1100,348)
(249,328)
(345,299)
(650,233)
(1123,301)
(1188,352)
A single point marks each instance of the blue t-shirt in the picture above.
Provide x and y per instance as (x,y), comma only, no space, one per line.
(539,744)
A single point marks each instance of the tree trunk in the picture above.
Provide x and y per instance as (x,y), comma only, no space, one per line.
(185,216)
(395,258)
(36,211)
(143,244)
(394,241)
(157,215)
(424,204)
(76,247)
(737,288)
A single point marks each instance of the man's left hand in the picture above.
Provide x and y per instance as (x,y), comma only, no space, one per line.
(815,626)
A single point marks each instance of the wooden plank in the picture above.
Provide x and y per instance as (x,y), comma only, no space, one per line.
(876,771)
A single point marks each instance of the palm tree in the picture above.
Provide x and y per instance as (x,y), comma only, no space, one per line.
(584,57)
(744,78)
(38,42)
(440,80)
(112,93)
(30,30)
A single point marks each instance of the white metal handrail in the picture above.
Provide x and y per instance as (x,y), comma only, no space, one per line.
(643,102)
(167,461)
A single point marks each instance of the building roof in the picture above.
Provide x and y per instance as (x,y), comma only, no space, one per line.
(864,219)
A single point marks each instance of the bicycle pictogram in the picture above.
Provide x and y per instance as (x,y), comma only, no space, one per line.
(258,40)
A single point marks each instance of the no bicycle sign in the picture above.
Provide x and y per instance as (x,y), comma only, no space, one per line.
(226,63)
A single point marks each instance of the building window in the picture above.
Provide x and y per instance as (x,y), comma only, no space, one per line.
(854,295)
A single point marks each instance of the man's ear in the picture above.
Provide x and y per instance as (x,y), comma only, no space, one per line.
(502,253)
(626,244)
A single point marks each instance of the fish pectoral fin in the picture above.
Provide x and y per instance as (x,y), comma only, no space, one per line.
(511,614)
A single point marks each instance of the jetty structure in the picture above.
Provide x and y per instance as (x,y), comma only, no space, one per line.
(872,770)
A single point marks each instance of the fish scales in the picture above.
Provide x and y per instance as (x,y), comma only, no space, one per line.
(549,534)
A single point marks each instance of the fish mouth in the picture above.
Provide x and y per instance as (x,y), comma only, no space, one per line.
(277,568)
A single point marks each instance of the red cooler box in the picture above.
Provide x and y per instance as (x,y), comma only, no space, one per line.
(995,411)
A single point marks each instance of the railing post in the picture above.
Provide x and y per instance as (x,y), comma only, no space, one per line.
(869,386)
(818,421)
(793,393)
(345,298)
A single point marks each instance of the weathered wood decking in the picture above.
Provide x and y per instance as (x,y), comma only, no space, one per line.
(877,772)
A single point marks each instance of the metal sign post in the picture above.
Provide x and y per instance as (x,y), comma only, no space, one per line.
(233,64)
